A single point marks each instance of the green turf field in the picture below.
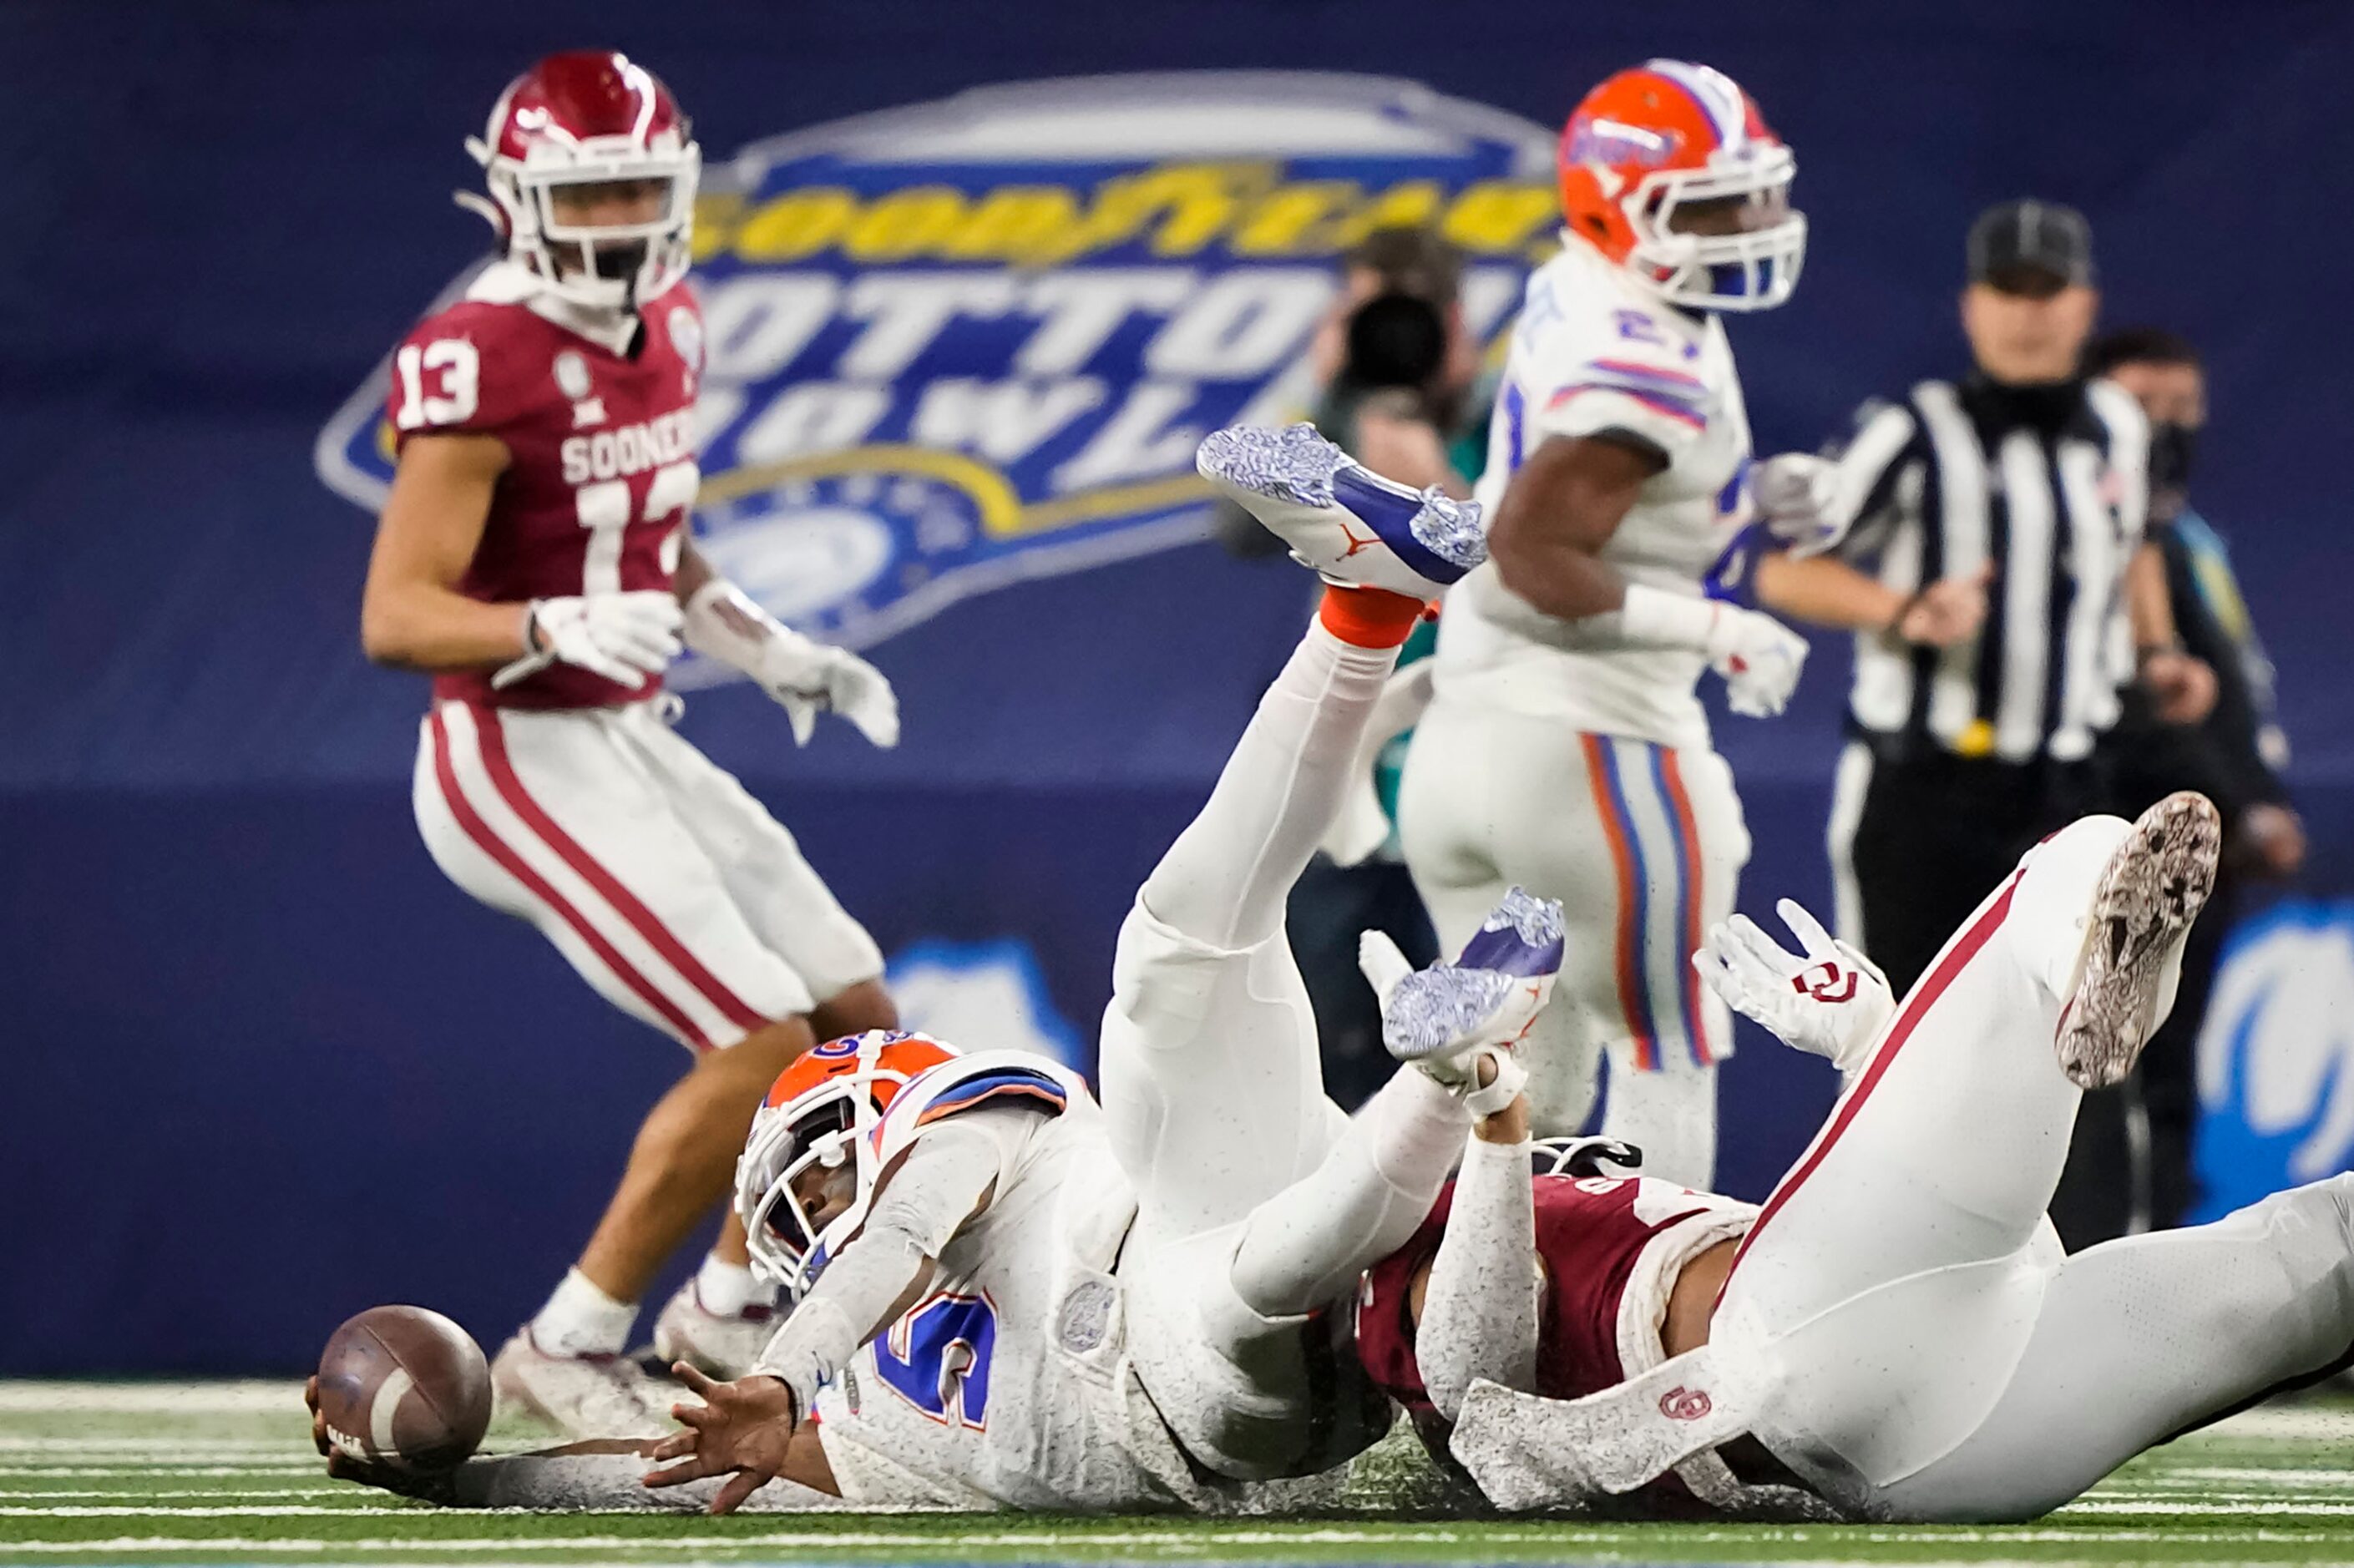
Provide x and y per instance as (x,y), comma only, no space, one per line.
(224,1472)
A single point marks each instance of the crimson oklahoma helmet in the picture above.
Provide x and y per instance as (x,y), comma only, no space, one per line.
(1665,135)
(590,117)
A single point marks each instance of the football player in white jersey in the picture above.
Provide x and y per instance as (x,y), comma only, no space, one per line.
(1898,1335)
(1565,749)
(1012,1298)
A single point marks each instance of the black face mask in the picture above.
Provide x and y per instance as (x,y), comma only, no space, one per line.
(2171,447)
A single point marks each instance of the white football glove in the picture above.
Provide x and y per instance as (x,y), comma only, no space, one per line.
(1828,999)
(624,636)
(1759,658)
(808,677)
(1798,492)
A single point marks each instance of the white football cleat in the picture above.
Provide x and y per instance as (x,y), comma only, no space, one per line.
(1447,1018)
(723,1345)
(2153,887)
(581,1396)
(1350,524)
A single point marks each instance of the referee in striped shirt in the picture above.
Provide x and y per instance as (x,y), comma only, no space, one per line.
(1993,567)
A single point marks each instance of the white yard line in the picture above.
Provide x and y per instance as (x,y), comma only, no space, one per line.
(2220,1508)
(144,1495)
(256,1396)
(2286,1475)
(170,1467)
(229,1510)
(1163,1541)
(296,1441)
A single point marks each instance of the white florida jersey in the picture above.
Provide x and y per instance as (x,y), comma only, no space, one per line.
(1007,1384)
(1595,351)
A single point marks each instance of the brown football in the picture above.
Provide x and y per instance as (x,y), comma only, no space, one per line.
(405,1386)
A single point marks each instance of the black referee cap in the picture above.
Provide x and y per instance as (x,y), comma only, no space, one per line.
(2031,247)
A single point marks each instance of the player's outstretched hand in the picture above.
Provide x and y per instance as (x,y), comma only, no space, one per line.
(432,1486)
(1759,658)
(809,677)
(741,1430)
(1827,998)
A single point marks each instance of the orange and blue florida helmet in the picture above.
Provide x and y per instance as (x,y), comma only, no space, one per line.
(1669,171)
(815,1133)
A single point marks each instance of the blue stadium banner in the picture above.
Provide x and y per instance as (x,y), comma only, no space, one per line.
(2276,1056)
(958,345)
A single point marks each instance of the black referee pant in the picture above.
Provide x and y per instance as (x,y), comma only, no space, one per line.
(1937,831)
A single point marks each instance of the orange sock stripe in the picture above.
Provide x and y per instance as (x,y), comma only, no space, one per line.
(1630,939)
(1688,846)
(1369,617)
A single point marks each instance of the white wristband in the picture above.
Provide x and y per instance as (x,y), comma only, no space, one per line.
(1659,619)
(719,621)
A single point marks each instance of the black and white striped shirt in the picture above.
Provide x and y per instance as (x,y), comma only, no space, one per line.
(2052,491)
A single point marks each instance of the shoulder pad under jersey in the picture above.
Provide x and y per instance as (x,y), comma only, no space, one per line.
(984,1077)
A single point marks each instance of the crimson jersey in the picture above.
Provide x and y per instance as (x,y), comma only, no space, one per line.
(601,477)
(1611,1252)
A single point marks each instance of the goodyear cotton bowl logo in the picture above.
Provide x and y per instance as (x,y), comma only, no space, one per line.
(953,346)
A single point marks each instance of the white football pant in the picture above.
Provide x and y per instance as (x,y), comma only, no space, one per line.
(1939,1358)
(1643,844)
(653,872)
(1259,1201)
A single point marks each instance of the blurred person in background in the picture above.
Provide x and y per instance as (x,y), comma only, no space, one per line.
(533,558)
(2130,1168)
(1566,748)
(1399,389)
(1990,560)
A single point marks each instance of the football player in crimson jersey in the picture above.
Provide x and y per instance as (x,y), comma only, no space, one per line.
(1895,1334)
(534,556)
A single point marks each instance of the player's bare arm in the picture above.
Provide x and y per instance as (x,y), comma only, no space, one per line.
(2182,686)
(1825,591)
(1559,510)
(412,615)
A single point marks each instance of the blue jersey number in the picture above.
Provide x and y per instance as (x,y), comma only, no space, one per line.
(936,1358)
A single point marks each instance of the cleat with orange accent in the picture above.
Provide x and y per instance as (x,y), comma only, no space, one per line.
(1356,528)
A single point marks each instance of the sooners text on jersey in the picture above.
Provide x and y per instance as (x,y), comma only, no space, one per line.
(601,474)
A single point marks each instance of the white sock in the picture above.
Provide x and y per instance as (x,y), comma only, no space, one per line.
(581,1320)
(724,1289)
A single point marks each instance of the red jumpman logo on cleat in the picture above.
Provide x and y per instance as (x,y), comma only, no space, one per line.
(1356,544)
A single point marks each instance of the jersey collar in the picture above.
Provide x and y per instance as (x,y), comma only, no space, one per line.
(513,283)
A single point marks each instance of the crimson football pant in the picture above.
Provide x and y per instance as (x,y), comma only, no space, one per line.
(1259,1203)
(1939,1357)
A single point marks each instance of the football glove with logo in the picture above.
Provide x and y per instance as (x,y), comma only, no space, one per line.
(624,636)
(1827,999)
